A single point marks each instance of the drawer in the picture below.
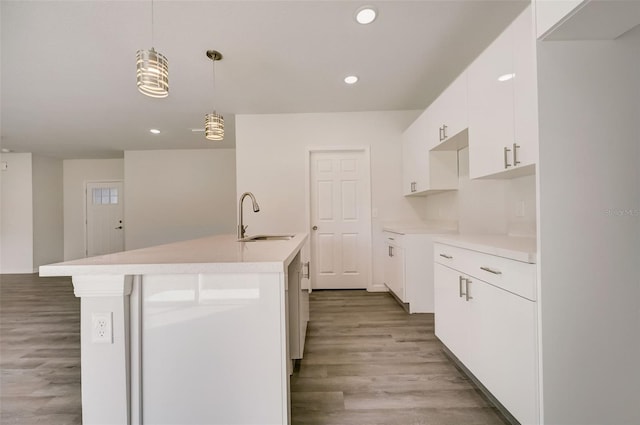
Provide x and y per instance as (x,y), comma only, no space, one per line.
(448,255)
(514,276)
(393,238)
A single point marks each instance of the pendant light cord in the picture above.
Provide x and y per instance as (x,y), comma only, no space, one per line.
(214,83)
(152,33)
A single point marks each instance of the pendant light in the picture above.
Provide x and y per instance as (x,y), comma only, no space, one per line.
(213,122)
(152,70)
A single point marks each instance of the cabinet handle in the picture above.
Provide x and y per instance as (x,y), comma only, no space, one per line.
(506,157)
(460,279)
(515,154)
(487,269)
(467,295)
(391,239)
(448,257)
(444,131)
(390,251)
(440,134)
(305,270)
(413,186)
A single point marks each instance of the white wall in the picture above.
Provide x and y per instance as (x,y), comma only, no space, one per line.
(76,172)
(486,206)
(17,214)
(589,230)
(271,155)
(48,219)
(173,195)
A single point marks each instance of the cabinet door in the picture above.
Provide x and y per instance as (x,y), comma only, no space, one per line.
(448,113)
(491,114)
(394,275)
(503,328)
(408,164)
(415,157)
(451,320)
(525,93)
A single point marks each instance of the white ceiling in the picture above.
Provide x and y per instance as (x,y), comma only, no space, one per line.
(68,67)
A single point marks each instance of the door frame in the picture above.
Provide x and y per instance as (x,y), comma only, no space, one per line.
(86,213)
(367,193)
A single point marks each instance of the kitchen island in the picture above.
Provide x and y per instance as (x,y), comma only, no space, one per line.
(192,332)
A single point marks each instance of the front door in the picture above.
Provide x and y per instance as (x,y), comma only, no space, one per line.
(340,219)
(105,227)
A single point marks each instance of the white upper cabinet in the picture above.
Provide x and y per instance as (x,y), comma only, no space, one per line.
(415,159)
(502,104)
(448,113)
(525,91)
(426,172)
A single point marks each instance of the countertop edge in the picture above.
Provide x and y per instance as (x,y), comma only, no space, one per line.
(510,247)
(150,268)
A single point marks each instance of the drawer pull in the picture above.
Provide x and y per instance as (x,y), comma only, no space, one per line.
(448,257)
(391,239)
(487,269)
(460,280)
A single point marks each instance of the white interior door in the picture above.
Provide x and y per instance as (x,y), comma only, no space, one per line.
(105,227)
(340,209)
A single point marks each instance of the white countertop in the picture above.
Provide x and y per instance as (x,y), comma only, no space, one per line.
(512,247)
(213,254)
(420,228)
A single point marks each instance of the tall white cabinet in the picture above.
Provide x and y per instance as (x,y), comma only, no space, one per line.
(589,219)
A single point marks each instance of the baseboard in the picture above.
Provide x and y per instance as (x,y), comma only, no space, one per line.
(404,305)
(485,392)
(377,288)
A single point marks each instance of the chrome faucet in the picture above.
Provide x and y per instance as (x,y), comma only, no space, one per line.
(241,227)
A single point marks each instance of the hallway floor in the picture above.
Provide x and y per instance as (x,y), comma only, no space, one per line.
(367,361)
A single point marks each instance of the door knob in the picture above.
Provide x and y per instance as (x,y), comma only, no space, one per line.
(119,227)
(315,227)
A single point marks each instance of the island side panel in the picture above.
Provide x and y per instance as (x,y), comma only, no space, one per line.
(104,361)
(214,349)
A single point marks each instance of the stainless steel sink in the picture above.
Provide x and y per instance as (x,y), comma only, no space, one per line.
(258,238)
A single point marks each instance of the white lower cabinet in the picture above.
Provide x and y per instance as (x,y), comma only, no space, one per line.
(407,271)
(298,309)
(394,276)
(490,329)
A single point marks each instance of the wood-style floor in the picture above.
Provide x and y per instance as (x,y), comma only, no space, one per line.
(39,351)
(366,362)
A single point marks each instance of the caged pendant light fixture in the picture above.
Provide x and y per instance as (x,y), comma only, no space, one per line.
(152,70)
(213,122)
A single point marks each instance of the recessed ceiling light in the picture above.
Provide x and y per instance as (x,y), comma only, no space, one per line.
(506,77)
(366,15)
(351,79)
(154,131)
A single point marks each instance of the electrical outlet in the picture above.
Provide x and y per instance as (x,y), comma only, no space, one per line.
(101,328)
